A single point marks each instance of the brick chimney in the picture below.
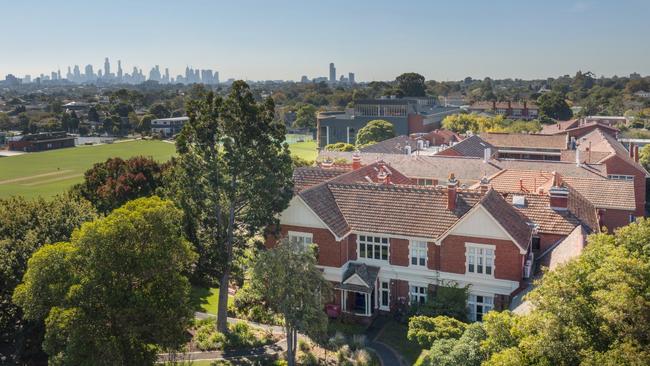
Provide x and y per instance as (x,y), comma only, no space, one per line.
(452,184)
(631,150)
(559,195)
(494,105)
(636,153)
(327,164)
(382,177)
(356,161)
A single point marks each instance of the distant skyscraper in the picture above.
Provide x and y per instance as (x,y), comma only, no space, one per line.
(76,73)
(107,68)
(69,74)
(216,77)
(119,70)
(351,77)
(304,79)
(89,73)
(99,74)
(58,74)
(53,75)
(27,79)
(332,72)
(166,78)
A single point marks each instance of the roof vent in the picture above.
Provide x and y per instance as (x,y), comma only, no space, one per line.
(518,200)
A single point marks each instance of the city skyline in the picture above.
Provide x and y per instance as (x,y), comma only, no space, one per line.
(258,41)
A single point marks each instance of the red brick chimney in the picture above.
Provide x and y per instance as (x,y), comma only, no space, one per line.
(631,150)
(356,161)
(636,153)
(494,105)
(452,183)
(559,195)
(327,164)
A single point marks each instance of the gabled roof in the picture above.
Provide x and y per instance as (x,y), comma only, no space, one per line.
(604,142)
(473,146)
(537,209)
(525,141)
(305,177)
(513,221)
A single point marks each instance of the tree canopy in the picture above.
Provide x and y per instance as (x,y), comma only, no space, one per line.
(340,146)
(287,277)
(411,84)
(305,116)
(234,175)
(375,131)
(116,289)
(553,105)
(112,183)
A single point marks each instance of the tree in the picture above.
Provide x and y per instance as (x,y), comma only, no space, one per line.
(25,226)
(115,290)
(112,183)
(464,351)
(234,175)
(340,146)
(306,116)
(554,106)
(287,277)
(93,116)
(411,84)
(592,310)
(160,111)
(145,123)
(375,131)
(425,329)
(644,156)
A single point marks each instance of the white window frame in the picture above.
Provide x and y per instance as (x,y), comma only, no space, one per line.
(418,250)
(478,259)
(418,293)
(620,177)
(381,292)
(301,237)
(383,241)
(483,302)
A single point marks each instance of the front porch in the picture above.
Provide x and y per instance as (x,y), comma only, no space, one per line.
(361,293)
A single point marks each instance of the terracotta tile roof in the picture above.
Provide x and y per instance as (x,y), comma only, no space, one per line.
(513,221)
(442,136)
(399,210)
(527,181)
(537,209)
(605,193)
(394,145)
(559,127)
(473,146)
(502,105)
(305,177)
(525,141)
(369,173)
(468,170)
(604,142)
(322,202)
(593,157)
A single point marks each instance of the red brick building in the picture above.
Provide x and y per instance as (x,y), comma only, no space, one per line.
(382,241)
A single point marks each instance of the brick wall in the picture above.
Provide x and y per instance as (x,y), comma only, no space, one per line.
(399,252)
(613,219)
(398,289)
(449,152)
(508,262)
(330,252)
(546,240)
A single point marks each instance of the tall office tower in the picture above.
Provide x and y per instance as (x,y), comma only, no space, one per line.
(332,72)
(166,79)
(197,76)
(107,68)
(58,74)
(216,77)
(90,74)
(351,77)
(304,79)
(119,70)
(188,75)
(77,74)
(69,74)
(27,79)
(99,74)
(53,75)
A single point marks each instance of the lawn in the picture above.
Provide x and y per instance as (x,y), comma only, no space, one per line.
(51,172)
(394,335)
(205,299)
(306,150)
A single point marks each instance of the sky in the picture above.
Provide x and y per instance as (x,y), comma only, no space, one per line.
(377,40)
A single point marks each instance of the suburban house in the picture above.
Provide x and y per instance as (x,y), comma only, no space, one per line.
(417,143)
(383,240)
(168,127)
(513,110)
(527,146)
(582,126)
(42,142)
(408,116)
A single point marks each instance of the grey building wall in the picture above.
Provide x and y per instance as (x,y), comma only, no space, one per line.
(338,128)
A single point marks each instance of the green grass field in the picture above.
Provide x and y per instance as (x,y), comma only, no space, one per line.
(52,172)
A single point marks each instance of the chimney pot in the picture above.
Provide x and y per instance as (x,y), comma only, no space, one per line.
(632,150)
(558,195)
(356,161)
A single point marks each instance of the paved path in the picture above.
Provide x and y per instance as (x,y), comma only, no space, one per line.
(387,355)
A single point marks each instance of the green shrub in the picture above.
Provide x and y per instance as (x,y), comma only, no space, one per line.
(362,358)
(425,330)
(308,359)
(303,345)
(240,336)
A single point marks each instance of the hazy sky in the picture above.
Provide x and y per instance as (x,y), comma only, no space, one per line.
(278,39)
